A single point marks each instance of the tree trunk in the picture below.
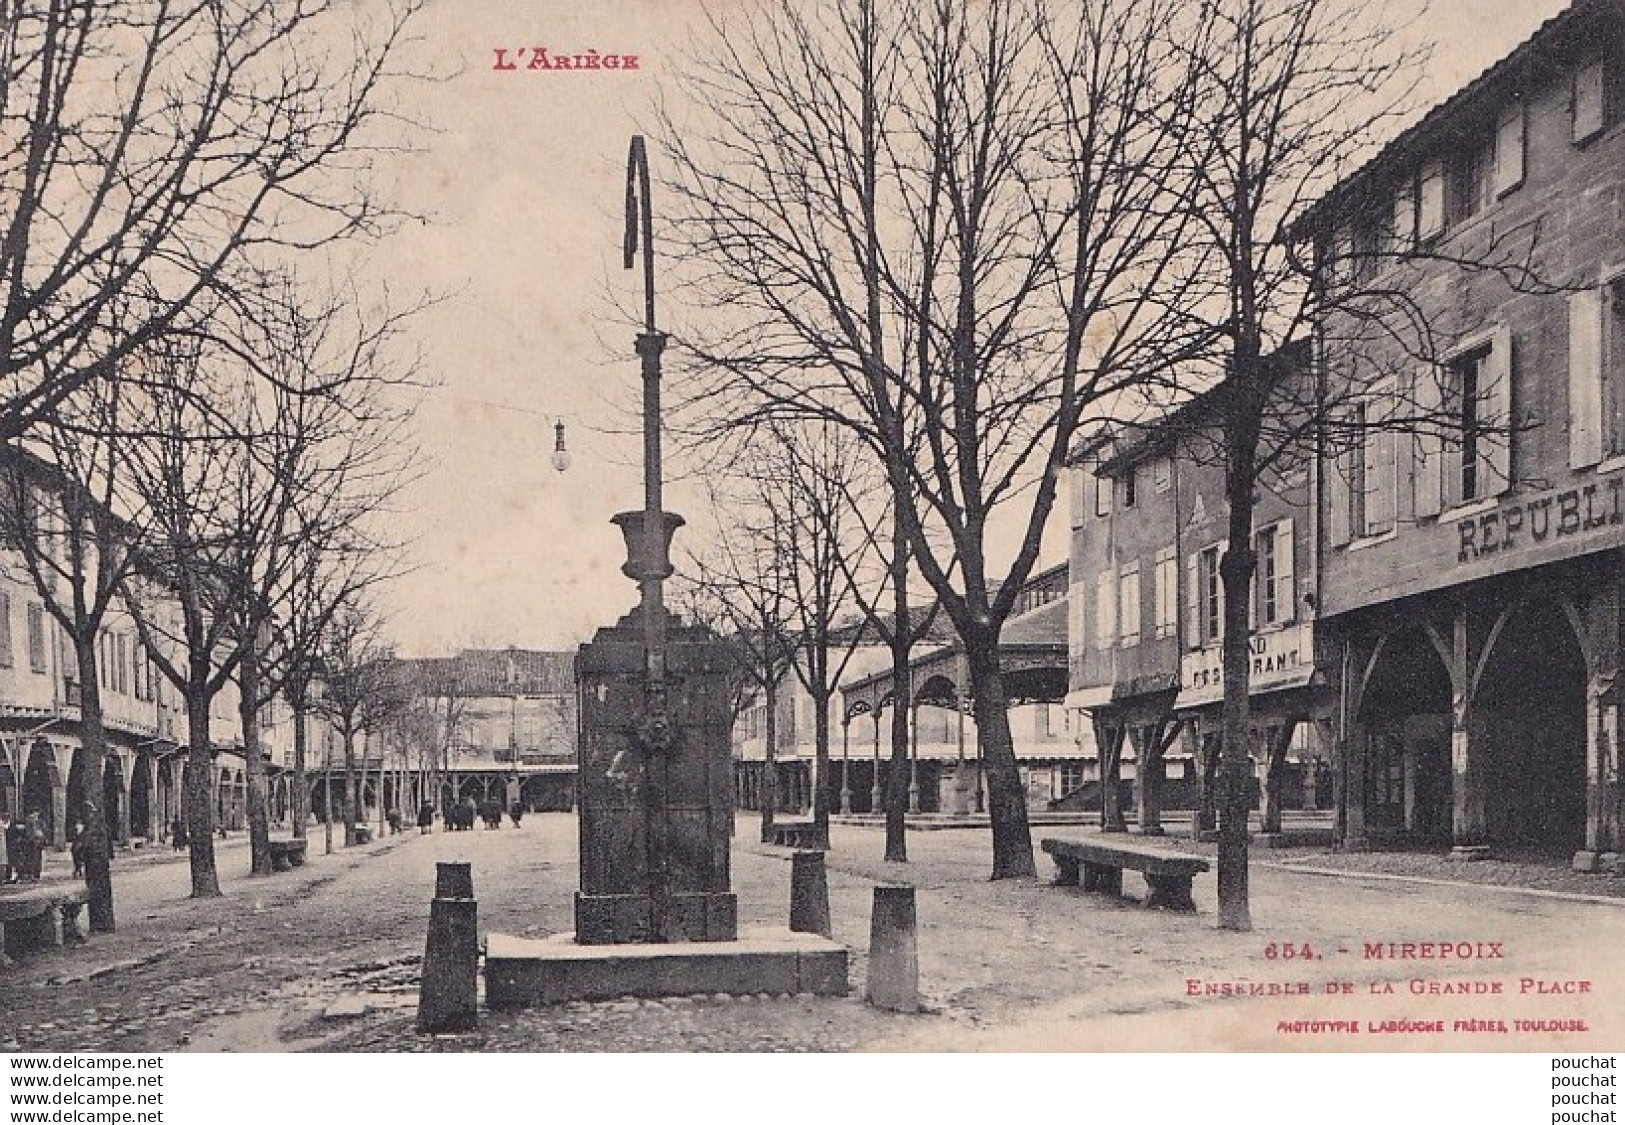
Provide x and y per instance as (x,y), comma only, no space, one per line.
(200,796)
(1235,760)
(350,795)
(770,760)
(96,836)
(1006,801)
(897,778)
(902,643)
(300,800)
(248,713)
(327,795)
(820,793)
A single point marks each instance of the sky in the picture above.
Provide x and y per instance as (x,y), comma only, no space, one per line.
(520,176)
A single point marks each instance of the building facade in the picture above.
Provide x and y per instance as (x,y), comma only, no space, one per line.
(1472,571)
(1149,522)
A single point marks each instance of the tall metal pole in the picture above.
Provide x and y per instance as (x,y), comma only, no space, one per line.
(653,567)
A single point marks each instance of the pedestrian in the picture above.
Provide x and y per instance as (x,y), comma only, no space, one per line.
(516,812)
(425,818)
(178,835)
(33,856)
(5,848)
(77,849)
(393,819)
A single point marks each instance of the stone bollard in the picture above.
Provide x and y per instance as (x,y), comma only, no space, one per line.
(809,894)
(448,994)
(894,960)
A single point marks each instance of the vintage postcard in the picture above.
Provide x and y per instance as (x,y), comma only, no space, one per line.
(715,526)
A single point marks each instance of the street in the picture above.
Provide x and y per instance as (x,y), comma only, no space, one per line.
(325,958)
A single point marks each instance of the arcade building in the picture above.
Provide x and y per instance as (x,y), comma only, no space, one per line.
(1473,577)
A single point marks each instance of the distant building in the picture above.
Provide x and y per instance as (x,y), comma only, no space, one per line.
(946,771)
(503,728)
(41,744)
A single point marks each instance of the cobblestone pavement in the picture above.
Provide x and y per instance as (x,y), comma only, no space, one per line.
(326,958)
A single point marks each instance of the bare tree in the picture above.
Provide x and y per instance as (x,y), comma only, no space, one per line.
(738,589)
(270,438)
(952,229)
(173,149)
(64,511)
(800,486)
(365,688)
(1288,98)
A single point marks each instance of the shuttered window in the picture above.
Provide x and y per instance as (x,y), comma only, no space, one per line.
(1166,595)
(1430,211)
(1275,592)
(1105,610)
(1509,149)
(1590,100)
(1128,601)
(1478,398)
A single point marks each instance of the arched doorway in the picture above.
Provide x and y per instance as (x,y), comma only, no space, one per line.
(39,782)
(1530,718)
(113,797)
(1405,715)
(143,822)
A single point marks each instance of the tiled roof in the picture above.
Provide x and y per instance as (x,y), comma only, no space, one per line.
(1043,625)
(1549,34)
(501,671)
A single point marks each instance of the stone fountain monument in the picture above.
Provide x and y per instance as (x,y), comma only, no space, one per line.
(656,914)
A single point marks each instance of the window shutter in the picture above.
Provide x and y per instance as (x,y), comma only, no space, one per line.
(1105,610)
(1428,444)
(1286,586)
(1588,101)
(1405,217)
(1497,394)
(1585,378)
(1253,595)
(1509,149)
(1077,640)
(1193,604)
(1339,499)
(1431,219)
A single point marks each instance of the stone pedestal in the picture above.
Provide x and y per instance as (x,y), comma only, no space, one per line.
(655,825)
(556,970)
(894,961)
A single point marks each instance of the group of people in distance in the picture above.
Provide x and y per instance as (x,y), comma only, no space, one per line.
(460,817)
(22,848)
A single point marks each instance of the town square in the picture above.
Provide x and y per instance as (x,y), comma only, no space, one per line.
(837,527)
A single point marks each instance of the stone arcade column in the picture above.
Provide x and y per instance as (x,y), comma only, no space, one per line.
(1602,770)
(1150,747)
(1109,740)
(877,799)
(63,760)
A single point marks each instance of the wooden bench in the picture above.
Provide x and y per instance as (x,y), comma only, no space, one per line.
(1167,873)
(363,834)
(41,916)
(793,834)
(287,854)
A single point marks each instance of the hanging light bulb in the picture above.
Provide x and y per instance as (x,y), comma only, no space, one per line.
(561,455)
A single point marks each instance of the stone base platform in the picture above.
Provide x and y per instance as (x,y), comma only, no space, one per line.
(521,972)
